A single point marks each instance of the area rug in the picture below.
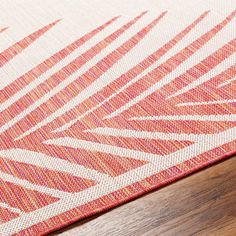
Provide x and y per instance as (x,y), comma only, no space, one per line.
(102,101)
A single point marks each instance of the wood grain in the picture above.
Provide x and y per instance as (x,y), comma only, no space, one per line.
(201,204)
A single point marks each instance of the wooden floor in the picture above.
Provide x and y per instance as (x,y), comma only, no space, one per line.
(201,204)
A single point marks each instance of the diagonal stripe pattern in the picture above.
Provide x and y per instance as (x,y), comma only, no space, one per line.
(79,135)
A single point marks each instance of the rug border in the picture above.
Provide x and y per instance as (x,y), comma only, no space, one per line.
(147,185)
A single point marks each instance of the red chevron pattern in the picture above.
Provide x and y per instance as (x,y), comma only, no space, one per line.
(77,138)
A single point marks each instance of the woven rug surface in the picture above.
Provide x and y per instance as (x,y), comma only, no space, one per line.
(102,101)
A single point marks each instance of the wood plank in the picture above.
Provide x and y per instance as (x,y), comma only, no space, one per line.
(201,204)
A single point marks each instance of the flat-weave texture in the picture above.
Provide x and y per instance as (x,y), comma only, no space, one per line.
(102,101)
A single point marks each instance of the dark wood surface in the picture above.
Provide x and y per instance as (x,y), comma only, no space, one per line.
(201,204)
